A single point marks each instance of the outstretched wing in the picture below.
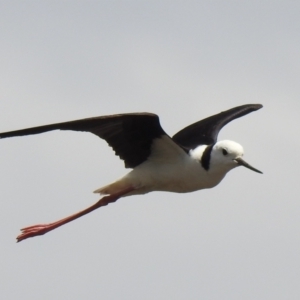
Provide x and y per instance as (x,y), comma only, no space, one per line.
(205,132)
(130,135)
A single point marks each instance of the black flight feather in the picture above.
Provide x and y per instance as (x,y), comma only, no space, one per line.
(130,135)
(205,132)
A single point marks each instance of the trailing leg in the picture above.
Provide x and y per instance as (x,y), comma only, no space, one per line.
(41,229)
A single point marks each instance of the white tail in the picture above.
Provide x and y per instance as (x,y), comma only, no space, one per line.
(114,187)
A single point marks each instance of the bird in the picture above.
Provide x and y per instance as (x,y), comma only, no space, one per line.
(191,160)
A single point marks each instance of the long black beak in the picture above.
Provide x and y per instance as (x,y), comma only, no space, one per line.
(241,162)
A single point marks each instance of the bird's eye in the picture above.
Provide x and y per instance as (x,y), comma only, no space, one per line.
(224,151)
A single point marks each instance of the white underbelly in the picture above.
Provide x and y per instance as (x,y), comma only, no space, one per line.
(182,177)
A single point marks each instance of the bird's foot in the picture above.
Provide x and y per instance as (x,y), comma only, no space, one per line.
(34,230)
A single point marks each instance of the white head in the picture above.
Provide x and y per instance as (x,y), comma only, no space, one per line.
(227,155)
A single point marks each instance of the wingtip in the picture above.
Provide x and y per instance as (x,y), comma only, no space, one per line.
(253,107)
(258,106)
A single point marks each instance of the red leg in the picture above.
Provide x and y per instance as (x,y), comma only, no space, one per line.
(41,229)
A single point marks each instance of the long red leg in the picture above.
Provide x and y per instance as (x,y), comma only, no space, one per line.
(41,229)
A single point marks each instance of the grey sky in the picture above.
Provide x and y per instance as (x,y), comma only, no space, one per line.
(184,60)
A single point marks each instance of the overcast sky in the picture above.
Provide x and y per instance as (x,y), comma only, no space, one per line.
(184,60)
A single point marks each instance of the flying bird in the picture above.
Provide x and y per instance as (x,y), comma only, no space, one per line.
(191,160)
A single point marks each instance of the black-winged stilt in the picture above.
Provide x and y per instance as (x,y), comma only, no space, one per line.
(191,160)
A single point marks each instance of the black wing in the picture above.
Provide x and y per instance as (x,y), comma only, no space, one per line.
(130,135)
(205,132)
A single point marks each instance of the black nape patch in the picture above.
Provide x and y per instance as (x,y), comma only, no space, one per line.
(205,159)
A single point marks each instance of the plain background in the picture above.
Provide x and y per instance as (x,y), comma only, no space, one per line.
(184,60)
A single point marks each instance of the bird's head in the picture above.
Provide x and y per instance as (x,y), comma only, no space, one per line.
(228,155)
